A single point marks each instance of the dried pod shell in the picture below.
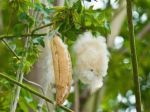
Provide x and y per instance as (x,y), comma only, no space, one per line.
(62,69)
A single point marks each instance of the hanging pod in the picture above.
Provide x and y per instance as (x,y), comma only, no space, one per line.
(62,69)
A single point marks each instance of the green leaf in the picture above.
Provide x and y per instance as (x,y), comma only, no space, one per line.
(18,29)
(23,105)
(26,19)
(26,66)
(39,41)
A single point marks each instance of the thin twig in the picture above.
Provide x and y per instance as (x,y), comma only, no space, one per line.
(32,34)
(41,27)
(133,56)
(22,35)
(13,52)
(34,92)
(37,85)
(20,75)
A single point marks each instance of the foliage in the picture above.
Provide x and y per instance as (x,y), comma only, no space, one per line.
(70,21)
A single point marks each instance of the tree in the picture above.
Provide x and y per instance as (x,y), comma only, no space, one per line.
(29,22)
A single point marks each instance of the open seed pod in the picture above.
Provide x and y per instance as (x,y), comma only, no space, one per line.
(62,69)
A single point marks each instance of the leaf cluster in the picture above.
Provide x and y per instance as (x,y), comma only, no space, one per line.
(74,20)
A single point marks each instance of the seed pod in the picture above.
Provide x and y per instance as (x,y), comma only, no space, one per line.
(62,69)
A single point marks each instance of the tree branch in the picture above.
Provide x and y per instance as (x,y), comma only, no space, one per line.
(41,27)
(27,35)
(39,86)
(20,75)
(77,102)
(96,101)
(13,52)
(145,30)
(116,23)
(22,35)
(34,92)
(133,56)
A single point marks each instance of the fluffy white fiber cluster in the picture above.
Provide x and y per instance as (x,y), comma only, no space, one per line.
(91,60)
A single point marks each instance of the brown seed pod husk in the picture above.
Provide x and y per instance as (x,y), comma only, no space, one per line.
(62,69)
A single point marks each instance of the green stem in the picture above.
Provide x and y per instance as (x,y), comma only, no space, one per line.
(26,35)
(13,52)
(34,92)
(20,75)
(133,56)
(37,85)
(23,35)
(41,27)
